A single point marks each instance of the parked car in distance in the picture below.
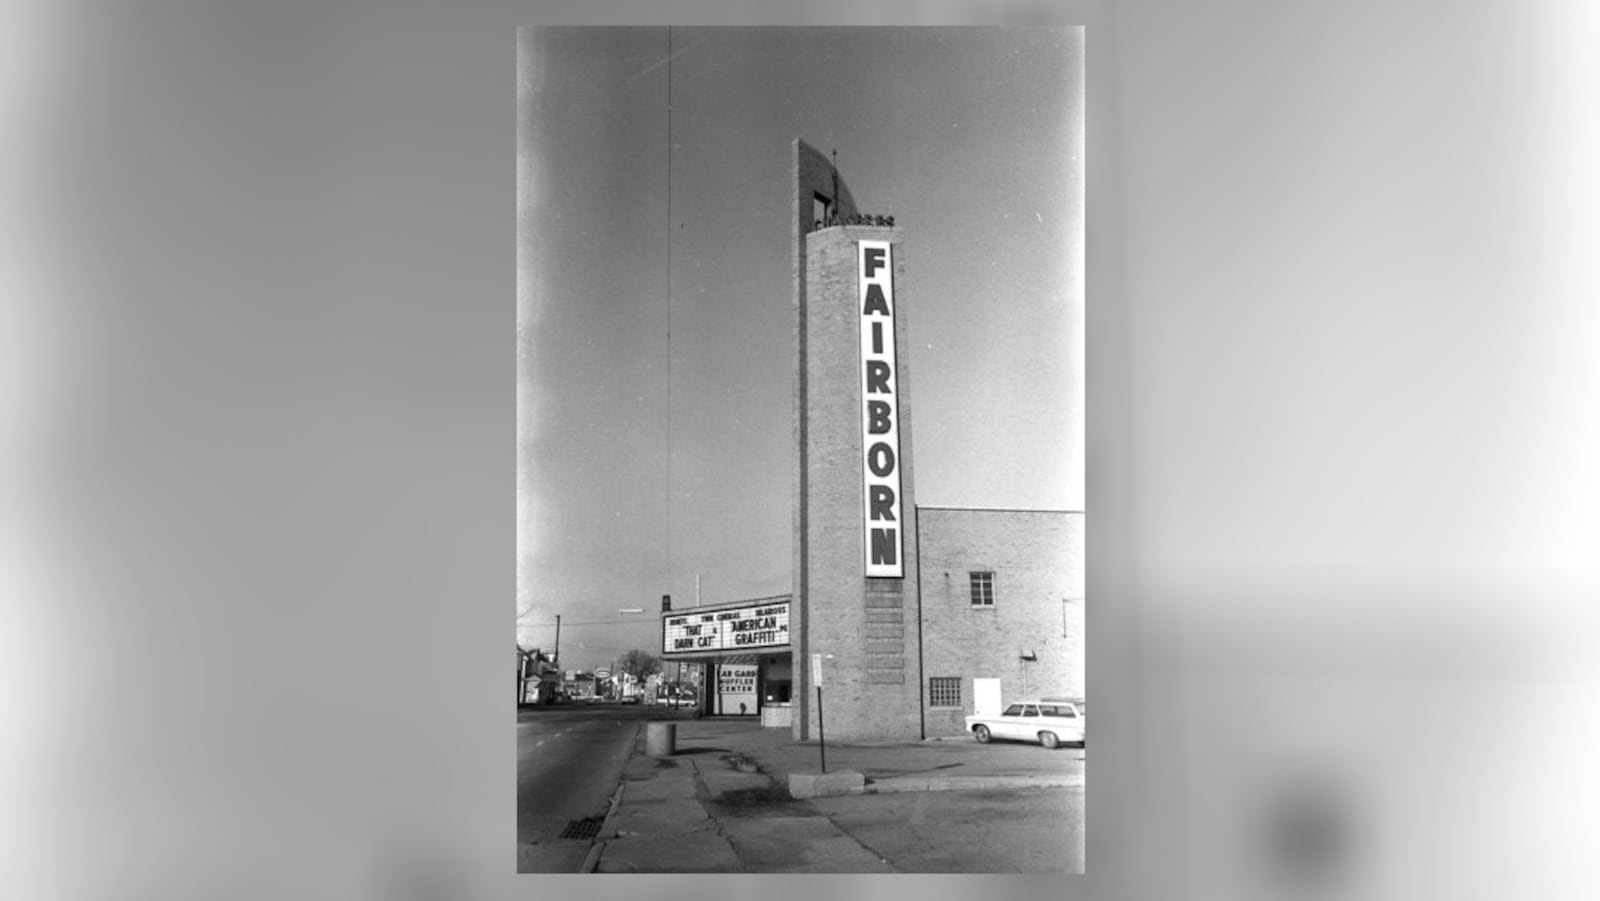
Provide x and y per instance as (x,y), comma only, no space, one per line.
(1048,721)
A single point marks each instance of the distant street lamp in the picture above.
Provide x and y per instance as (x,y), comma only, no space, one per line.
(628,610)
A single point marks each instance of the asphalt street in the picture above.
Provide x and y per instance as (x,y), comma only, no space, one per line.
(569,761)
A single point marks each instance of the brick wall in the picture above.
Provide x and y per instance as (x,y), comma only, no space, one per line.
(1037,558)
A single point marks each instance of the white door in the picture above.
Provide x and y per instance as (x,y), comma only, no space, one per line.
(986,697)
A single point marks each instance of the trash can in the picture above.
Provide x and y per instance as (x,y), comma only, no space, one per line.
(661,739)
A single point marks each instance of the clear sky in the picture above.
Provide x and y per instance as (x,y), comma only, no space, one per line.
(646,460)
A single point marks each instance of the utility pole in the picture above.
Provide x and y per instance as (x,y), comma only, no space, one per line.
(557,660)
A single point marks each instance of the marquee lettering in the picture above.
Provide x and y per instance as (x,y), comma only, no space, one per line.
(875,302)
(880,459)
(882,503)
(877,417)
(740,627)
(880,426)
(884,544)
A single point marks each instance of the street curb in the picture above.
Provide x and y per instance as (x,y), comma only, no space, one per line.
(593,860)
(975,783)
(595,850)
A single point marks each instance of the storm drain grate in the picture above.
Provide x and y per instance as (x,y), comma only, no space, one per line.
(581,829)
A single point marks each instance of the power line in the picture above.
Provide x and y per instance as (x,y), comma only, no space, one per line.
(595,622)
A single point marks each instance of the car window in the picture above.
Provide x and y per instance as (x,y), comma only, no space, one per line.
(1013,710)
(1030,710)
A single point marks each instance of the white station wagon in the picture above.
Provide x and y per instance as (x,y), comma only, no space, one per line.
(1048,721)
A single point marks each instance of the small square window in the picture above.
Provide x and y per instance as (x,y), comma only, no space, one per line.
(944,692)
(982,589)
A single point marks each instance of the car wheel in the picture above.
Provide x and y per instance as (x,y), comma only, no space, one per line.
(982,734)
(1049,740)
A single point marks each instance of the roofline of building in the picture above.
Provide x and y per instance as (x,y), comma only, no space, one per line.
(770,599)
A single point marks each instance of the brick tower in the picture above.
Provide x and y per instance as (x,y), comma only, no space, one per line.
(855,567)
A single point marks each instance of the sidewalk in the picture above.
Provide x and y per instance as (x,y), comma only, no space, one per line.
(721,802)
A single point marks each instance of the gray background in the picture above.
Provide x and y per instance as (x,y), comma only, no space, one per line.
(259,445)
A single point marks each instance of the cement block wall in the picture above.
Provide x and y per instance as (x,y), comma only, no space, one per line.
(1037,558)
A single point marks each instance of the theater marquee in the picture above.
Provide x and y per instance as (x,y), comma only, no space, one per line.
(731,629)
(880,418)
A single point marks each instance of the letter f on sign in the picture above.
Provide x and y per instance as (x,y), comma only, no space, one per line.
(873,260)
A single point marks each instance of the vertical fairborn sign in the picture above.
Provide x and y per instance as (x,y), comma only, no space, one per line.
(880,420)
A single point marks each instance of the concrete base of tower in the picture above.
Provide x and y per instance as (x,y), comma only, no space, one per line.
(821,785)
